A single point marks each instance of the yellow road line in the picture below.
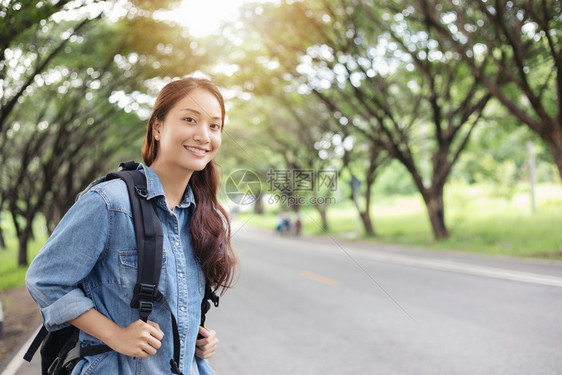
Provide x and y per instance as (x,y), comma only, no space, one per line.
(319,278)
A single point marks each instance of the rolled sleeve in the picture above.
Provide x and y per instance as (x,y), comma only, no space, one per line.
(69,307)
(77,243)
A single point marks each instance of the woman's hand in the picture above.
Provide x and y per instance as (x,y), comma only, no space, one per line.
(139,339)
(205,348)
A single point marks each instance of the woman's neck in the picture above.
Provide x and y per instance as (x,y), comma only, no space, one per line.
(173,181)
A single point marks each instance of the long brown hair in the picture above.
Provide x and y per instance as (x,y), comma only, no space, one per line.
(210,226)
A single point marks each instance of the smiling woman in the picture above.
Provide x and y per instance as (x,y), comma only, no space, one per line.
(188,137)
(183,135)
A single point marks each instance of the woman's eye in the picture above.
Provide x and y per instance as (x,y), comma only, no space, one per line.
(189,119)
(216,126)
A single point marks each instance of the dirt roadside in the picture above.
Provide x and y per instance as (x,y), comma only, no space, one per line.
(21,318)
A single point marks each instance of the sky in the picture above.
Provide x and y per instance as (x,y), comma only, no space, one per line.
(200,17)
(204,17)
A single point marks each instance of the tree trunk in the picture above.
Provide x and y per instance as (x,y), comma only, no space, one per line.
(323,216)
(370,179)
(23,240)
(258,206)
(2,240)
(22,251)
(24,233)
(365,215)
(554,142)
(435,208)
(367,223)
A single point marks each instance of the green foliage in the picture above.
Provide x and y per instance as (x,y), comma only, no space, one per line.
(397,75)
(497,154)
(74,94)
(395,180)
(302,79)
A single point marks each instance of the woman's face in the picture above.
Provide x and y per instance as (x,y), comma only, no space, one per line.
(190,134)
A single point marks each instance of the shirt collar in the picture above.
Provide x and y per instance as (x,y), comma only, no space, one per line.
(155,188)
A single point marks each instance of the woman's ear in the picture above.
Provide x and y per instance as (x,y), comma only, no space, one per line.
(156,129)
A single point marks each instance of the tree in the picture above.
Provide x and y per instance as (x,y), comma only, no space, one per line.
(54,143)
(367,159)
(25,51)
(287,140)
(18,17)
(383,72)
(514,49)
(287,137)
(306,141)
(71,122)
(20,22)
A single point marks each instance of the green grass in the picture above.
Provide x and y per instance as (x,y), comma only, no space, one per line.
(477,221)
(11,275)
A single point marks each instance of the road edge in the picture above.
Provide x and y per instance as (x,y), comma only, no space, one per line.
(17,360)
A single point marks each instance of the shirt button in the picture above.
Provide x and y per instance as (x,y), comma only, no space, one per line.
(177,243)
(181,342)
(182,308)
(180,275)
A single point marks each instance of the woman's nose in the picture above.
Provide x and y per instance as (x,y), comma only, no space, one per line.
(202,133)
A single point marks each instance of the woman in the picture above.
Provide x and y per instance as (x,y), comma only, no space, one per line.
(85,273)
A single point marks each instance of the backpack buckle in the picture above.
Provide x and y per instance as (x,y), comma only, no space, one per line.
(145,308)
(142,192)
(143,298)
(145,291)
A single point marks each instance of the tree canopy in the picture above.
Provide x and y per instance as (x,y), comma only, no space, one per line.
(443,89)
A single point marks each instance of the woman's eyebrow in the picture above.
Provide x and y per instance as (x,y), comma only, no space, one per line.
(199,113)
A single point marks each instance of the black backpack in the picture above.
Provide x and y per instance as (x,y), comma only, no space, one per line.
(61,349)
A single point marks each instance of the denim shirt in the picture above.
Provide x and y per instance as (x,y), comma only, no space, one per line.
(90,261)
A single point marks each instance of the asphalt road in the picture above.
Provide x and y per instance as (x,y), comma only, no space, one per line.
(326,306)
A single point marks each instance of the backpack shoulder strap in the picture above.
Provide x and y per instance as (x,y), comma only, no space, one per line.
(206,305)
(149,237)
